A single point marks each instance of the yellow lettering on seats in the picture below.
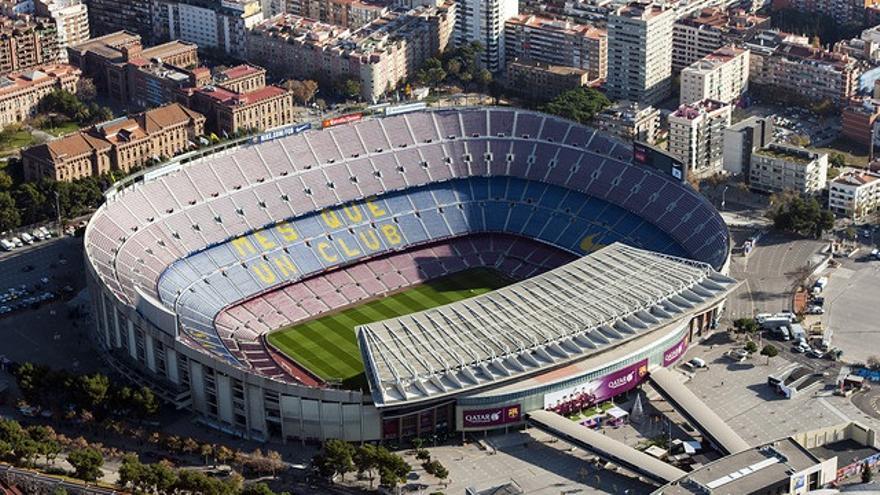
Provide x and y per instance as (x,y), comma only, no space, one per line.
(264,272)
(391,234)
(285,265)
(353,212)
(375,209)
(351,253)
(287,232)
(370,239)
(331,219)
(324,249)
(264,241)
(241,243)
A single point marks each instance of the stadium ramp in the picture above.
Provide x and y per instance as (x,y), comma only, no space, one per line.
(697,412)
(607,448)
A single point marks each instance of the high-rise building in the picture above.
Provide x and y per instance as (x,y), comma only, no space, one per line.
(630,121)
(71,19)
(482,21)
(109,16)
(640,53)
(696,136)
(723,75)
(741,139)
(555,42)
(26,43)
(215,24)
(699,35)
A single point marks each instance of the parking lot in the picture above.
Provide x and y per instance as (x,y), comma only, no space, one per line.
(45,331)
(851,309)
(770,274)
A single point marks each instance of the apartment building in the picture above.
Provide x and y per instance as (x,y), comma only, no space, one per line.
(15,8)
(630,121)
(349,13)
(219,24)
(111,60)
(543,82)
(71,18)
(379,55)
(723,76)
(743,138)
(27,42)
(110,16)
(794,65)
(118,145)
(859,121)
(483,21)
(854,195)
(778,167)
(238,100)
(639,53)
(697,36)
(554,42)
(696,136)
(21,92)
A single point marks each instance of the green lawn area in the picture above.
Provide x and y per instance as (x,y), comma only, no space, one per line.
(13,140)
(855,154)
(62,129)
(327,346)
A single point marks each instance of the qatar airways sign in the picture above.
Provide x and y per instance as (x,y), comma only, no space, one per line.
(481,418)
(675,352)
(580,397)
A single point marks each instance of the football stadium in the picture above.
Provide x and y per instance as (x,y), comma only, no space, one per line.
(414,274)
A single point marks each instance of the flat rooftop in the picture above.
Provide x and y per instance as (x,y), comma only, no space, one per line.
(749,471)
(845,450)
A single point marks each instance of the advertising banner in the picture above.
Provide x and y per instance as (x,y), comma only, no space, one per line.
(673,353)
(281,132)
(342,119)
(588,394)
(499,416)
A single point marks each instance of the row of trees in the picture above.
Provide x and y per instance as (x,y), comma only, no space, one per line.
(162,478)
(814,25)
(26,203)
(46,387)
(792,213)
(337,458)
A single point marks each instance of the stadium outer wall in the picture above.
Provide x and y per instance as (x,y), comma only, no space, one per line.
(247,404)
(256,407)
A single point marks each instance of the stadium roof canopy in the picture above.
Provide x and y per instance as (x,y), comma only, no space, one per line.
(576,310)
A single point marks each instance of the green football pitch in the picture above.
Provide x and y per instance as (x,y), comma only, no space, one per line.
(327,346)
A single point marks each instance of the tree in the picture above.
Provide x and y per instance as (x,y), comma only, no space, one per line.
(336,458)
(87,463)
(579,104)
(365,460)
(9,215)
(837,160)
(303,91)
(257,489)
(392,468)
(435,76)
(483,78)
(189,445)
(867,474)
(751,346)
(747,325)
(131,472)
(351,88)
(144,402)
(94,389)
(770,351)
(206,450)
(792,213)
(85,89)
(161,477)
(223,454)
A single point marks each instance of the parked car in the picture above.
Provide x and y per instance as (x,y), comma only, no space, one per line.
(800,348)
(815,310)
(816,353)
(695,364)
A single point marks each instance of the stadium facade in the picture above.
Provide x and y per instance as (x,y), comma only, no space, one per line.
(618,269)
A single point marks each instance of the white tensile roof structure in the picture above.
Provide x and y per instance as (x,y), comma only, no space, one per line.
(585,307)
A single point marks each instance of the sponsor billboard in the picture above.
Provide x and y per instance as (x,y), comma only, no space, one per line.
(281,132)
(579,397)
(499,416)
(342,119)
(405,108)
(649,156)
(671,355)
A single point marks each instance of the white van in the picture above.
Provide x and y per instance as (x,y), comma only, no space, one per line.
(36,234)
(46,232)
(27,238)
(17,242)
(6,245)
